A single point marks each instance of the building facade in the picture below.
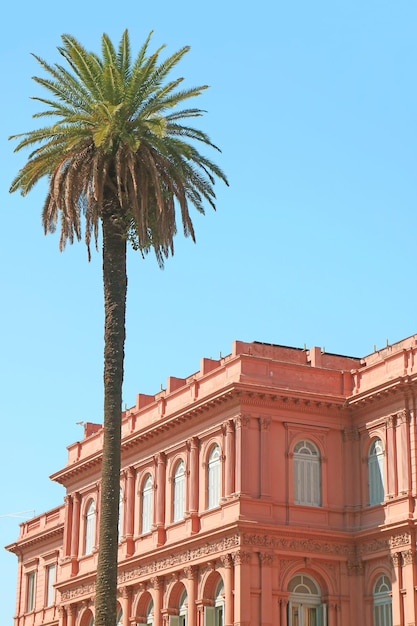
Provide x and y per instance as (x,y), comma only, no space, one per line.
(274,487)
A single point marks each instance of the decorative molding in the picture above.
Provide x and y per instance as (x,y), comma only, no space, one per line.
(241,557)
(265,423)
(376,545)
(402,539)
(355,568)
(266,559)
(76,592)
(409,557)
(226,560)
(350,434)
(152,567)
(299,545)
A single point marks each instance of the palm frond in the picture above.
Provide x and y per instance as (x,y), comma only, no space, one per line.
(118,140)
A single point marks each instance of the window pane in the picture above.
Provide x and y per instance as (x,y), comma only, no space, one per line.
(179,492)
(90,527)
(307,479)
(376,473)
(147,505)
(30,598)
(50,580)
(213,478)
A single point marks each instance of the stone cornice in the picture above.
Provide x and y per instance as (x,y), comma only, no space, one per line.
(383,392)
(40,537)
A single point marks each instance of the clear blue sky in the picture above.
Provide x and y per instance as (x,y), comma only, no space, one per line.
(314,106)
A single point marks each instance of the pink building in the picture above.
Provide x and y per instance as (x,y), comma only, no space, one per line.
(274,487)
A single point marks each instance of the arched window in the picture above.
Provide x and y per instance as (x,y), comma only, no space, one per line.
(376,472)
(214,615)
(182,610)
(213,478)
(305,607)
(90,527)
(179,491)
(307,474)
(149,614)
(181,618)
(147,504)
(119,618)
(382,602)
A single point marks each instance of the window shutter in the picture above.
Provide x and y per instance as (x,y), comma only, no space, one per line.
(209,616)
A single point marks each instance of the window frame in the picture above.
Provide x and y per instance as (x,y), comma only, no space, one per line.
(50,581)
(90,524)
(146,504)
(178,491)
(213,477)
(307,474)
(376,472)
(382,602)
(30,599)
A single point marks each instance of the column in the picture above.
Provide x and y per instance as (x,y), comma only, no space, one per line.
(403,444)
(75,535)
(242,467)
(62,613)
(391,457)
(230,459)
(266,561)
(193,484)
(130,510)
(408,563)
(126,605)
(71,614)
(264,460)
(397,584)
(283,611)
(158,585)
(242,608)
(67,525)
(332,613)
(228,589)
(191,573)
(160,498)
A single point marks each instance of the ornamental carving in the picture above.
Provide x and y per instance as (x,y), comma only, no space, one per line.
(376,545)
(226,560)
(266,559)
(265,422)
(302,545)
(240,557)
(354,568)
(177,560)
(242,421)
(82,590)
(351,434)
(390,421)
(408,557)
(402,539)
(191,571)
(402,416)
(157,582)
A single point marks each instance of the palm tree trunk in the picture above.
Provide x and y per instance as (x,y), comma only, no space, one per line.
(115,288)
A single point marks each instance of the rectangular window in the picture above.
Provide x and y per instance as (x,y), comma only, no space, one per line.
(30,591)
(50,580)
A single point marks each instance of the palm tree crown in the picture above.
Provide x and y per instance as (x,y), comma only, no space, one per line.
(118,140)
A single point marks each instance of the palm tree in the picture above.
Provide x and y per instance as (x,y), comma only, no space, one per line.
(118,154)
